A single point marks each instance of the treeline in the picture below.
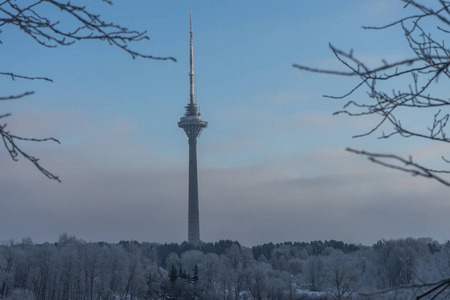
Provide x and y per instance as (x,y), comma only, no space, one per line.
(74,269)
(313,248)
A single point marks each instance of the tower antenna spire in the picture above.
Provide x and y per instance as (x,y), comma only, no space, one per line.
(191,73)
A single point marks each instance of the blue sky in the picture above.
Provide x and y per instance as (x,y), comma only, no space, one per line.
(272,164)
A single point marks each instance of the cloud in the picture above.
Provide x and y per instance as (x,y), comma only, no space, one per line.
(380,8)
(284,97)
(276,207)
(249,204)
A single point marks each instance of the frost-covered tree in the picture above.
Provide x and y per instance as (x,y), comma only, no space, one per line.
(256,280)
(342,274)
(238,260)
(74,269)
(19,294)
(315,272)
(8,256)
(209,278)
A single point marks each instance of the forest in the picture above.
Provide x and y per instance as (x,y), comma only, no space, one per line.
(75,269)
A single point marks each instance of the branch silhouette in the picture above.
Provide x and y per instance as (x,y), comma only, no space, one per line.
(53,23)
(428,63)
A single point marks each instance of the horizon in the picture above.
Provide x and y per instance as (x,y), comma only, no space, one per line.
(27,239)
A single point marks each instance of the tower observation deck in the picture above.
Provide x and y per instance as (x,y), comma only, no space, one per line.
(193,125)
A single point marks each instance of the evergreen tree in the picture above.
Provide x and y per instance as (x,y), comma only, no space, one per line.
(181,273)
(173,274)
(194,279)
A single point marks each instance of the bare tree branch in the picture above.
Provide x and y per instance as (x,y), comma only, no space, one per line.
(14,97)
(14,76)
(50,32)
(53,23)
(428,63)
(405,165)
(10,143)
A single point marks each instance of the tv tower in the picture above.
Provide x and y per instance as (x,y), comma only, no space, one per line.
(193,125)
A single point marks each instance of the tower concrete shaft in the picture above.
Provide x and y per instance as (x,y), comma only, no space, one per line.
(193,125)
(194,215)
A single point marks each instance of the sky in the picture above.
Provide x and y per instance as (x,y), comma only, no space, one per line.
(272,164)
